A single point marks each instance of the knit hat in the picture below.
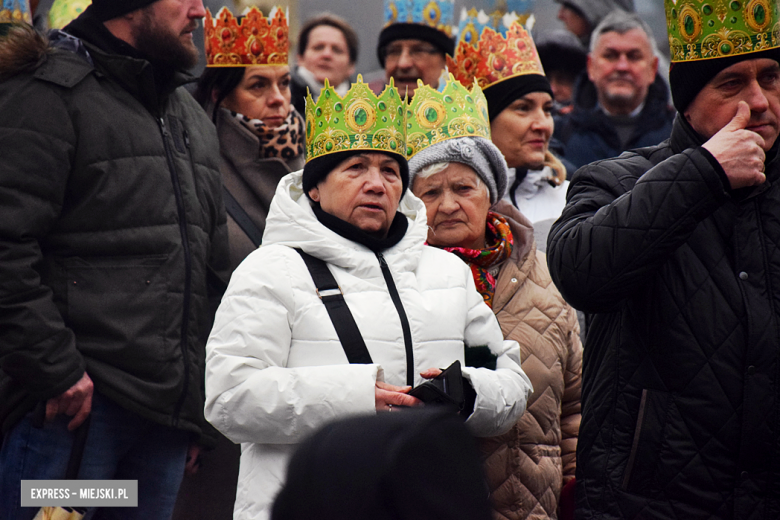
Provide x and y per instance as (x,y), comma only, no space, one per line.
(477,152)
(110,9)
(501,95)
(318,168)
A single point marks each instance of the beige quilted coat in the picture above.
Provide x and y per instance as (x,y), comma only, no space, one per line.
(527,466)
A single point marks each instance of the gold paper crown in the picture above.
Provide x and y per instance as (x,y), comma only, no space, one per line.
(256,40)
(496,55)
(708,29)
(436,14)
(360,120)
(15,11)
(435,116)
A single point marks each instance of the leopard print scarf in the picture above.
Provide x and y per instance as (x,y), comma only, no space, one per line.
(284,141)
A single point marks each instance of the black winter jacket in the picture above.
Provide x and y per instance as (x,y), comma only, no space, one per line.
(588,135)
(112,234)
(680,369)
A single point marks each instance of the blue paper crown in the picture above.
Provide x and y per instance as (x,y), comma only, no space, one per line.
(438,14)
(15,11)
(472,22)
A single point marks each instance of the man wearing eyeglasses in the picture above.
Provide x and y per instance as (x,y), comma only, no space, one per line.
(415,50)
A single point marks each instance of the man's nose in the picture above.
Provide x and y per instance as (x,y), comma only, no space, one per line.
(197,10)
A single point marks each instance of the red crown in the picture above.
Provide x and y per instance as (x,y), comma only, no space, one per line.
(257,40)
(495,58)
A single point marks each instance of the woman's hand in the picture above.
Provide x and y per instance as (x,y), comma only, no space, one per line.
(388,396)
(431,373)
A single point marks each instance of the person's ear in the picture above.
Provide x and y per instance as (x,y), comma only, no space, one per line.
(214,96)
(314,194)
(589,66)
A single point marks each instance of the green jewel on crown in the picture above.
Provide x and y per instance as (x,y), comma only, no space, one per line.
(435,116)
(360,120)
(706,29)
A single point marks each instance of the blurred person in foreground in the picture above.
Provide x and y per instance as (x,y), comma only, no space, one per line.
(112,249)
(414,42)
(414,465)
(327,49)
(277,367)
(563,58)
(673,251)
(623,103)
(461,180)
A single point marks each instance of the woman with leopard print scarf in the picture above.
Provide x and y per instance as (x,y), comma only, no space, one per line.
(261,138)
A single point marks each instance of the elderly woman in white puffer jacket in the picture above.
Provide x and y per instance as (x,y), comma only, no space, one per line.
(275,368)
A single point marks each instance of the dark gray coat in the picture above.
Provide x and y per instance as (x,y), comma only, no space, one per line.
(112,236)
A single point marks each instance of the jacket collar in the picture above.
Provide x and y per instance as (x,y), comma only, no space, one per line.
(121,61)
(523,255)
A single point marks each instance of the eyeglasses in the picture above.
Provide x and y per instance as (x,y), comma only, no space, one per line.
(416,52)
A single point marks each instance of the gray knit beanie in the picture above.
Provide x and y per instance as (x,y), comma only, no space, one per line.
(477,152)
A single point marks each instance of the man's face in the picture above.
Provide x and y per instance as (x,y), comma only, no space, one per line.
(622,66)
(163,32)
(756,82)
(327,55)
(406,61)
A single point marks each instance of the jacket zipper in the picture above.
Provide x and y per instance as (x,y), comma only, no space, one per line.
(401,314)
(186,135)
(187,264)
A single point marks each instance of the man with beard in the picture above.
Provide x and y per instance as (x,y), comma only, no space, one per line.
(112,244)
(673,250)
(622,104)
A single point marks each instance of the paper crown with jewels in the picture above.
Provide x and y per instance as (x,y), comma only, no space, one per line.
(437,115)
(436,14)
(254,40)
(15,11)
(62,12)
(360,120)
(493,48)
(517,6)
(705,29)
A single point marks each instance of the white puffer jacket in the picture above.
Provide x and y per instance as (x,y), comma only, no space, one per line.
(276,371)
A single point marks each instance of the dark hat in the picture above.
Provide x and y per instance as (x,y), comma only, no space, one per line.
(413,31)
(502,94)
(410,465)
(109,9)
(688,78)
(318,168)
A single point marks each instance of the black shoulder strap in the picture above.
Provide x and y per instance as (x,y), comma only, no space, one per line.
(338,310)
(238,214)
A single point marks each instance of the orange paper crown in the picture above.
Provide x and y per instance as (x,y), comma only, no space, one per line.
(256,40)
(494,57)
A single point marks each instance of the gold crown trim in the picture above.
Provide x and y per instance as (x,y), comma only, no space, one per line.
(256,40)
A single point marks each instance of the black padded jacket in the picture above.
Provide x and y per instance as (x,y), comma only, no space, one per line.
(680,369)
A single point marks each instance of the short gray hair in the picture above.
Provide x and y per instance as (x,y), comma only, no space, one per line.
(621,22)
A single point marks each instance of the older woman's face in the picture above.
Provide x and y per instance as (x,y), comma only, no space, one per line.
(457,204)
(264,94)
(522,130)
(364,190)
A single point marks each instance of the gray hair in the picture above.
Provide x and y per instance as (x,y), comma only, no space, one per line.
(621,22)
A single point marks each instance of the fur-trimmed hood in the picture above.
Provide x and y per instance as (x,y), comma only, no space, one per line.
(22,48)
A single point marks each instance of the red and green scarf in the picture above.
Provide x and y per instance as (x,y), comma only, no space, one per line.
(499,242)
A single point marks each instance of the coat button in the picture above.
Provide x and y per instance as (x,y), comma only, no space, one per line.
(514,280)
(751,370)
(743,275)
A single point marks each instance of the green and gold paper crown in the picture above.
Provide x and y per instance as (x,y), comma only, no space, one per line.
(15,11)
(360,120)
(706,29)
(435,116)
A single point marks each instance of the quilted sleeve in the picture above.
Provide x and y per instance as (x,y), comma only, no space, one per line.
(616,230)
(570,405)
(251,395)
(37,143)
